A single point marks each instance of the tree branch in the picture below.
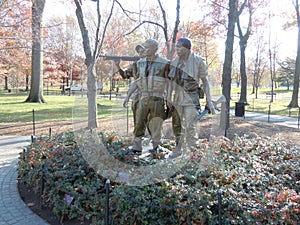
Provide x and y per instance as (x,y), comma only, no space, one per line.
(140,24)
(126,11)
(105,27)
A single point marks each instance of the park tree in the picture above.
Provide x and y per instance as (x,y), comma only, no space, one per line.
(92,53)
(259,63)
(243,39)
(273,47)
(203,36)
(225,13)
(246,12)
(234,20)
(294,101)
(227,66)
(286,72)
(63,50)
(173,36)
(36,90)
(160,23)
(14,42)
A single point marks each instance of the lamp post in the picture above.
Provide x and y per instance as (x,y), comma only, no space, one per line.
(63,85)
(81,71)
(71,78)
(47,79)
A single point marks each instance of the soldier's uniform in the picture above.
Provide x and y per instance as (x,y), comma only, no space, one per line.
(186,81)
(151,84)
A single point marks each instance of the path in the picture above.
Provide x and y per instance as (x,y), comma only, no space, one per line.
(13,211)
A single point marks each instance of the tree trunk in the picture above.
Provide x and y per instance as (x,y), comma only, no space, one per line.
(27,82)
(6,83)
(36,87)
(256,92)
(243,44)
(253,85)
(243,95)
(90,63)
(227,66)
(92,96)
(294,101)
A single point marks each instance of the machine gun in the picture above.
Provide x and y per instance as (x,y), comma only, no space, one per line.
(221,99)
(118,58)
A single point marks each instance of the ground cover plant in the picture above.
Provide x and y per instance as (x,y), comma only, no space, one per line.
(259,179)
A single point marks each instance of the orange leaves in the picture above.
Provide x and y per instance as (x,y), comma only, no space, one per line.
(295,198)
(14,32)
(285,194)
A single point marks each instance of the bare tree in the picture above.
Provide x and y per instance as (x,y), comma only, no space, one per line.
(91,56)
(227,66)
(243,44)
(259,66)
(164,26)
(251,6)
(36,90)
(294,101)
(170,46)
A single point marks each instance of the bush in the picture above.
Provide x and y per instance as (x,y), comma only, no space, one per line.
(259,179)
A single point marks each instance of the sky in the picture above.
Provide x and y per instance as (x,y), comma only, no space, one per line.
(287,39)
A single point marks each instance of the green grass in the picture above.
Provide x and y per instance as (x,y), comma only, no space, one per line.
(14,109)
(64,107)
(262,103)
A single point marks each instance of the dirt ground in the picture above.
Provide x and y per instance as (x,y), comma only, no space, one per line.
(124,127)
(206,127)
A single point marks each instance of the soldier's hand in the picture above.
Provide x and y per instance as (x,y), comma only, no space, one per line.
(117,62)
(125,103)
(169,104)
(210,107)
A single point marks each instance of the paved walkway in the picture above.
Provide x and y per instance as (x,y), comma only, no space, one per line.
(12,209)
(275,119)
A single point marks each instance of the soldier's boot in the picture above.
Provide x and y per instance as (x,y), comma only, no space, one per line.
(155,149)
(177,151)
(137,147)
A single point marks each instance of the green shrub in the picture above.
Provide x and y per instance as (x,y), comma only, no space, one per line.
(259,179)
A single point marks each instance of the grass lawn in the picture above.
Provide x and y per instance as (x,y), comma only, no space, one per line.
(64,107)
(14,109)
(262,102)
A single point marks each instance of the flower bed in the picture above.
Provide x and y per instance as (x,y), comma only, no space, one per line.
(259,179)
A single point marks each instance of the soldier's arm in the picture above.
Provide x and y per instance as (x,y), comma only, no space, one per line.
(133,87)
(206,88)
(169,87)
(125,74)
(203,74)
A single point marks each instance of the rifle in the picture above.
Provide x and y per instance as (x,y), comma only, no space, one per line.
(221,99)
(123,58)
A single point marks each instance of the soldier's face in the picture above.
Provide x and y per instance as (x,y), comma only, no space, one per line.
(142,52)
(180,50)
(149,49)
